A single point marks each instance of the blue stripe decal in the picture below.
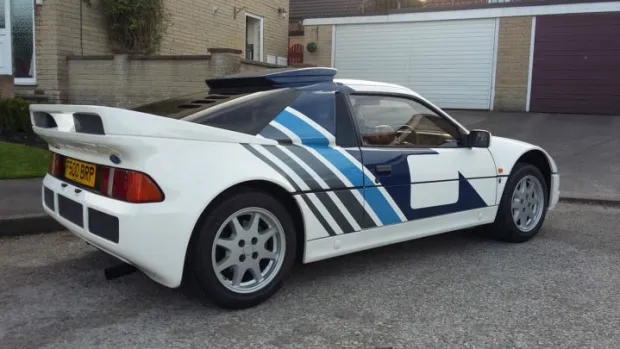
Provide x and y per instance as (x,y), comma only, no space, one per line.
(344,165)
(381,206)
(315,139)
(374,198)
(308,134)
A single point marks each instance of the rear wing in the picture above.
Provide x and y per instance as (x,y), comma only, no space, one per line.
(92,123)
(270,78)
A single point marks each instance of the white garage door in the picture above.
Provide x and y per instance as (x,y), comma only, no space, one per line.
(448,62)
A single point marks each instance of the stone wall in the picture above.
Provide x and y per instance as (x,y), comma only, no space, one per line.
(6,86)
(200,24)
(66,28)
(128,81)
(58,33)
(322,36)
(513,57)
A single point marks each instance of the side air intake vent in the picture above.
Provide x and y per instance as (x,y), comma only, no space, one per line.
(189,106)
(88,123)
(203,101)
(43,120)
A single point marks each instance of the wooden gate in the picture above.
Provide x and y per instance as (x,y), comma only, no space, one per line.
(295,54)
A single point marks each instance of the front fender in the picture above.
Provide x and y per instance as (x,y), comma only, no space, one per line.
(506,152)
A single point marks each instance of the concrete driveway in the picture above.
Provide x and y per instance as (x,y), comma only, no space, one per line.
(585,147)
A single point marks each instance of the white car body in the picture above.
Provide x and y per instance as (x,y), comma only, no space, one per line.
(194,164)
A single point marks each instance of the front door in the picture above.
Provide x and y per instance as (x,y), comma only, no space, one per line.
(5,38)
(415,166)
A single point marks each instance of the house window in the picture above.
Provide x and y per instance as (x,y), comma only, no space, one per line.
(2,14)
(17,49)
(22,40)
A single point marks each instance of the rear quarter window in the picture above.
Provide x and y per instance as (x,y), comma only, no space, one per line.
(247,114)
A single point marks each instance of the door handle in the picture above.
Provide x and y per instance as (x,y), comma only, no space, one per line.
(383,169)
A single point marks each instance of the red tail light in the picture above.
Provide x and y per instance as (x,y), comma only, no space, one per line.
(129,186)
(55,165)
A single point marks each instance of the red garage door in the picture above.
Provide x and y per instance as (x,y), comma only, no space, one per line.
(577,64)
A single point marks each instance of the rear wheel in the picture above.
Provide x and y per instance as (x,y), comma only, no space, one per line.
(244,250)
(523,206)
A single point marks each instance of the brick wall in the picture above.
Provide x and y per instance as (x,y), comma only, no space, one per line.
(197,25)
(513,55)
(126,81)
(58,35)
(72,28)
(322,36)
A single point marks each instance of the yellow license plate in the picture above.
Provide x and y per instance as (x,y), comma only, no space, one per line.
(81,172)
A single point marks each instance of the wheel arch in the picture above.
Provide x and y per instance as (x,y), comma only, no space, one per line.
(282,194)
(540,160)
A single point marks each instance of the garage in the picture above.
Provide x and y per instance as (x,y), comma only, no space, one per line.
(448,62)
(576,64)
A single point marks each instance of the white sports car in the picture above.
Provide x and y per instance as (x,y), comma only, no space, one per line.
(229,188)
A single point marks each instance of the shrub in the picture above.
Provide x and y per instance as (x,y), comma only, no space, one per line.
(135,26)
(14,115)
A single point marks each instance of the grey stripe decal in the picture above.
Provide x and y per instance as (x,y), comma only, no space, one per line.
(303,174)
(318,166)
(336,212)
(345,195)
(271,132)
(355,208)
(328,202)
(313,208)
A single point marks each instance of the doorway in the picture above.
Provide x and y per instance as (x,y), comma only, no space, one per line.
(253,37)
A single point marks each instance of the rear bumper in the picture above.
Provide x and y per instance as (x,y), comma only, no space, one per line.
(554,192)
(151,237)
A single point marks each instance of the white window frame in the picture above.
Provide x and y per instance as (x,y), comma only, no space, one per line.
(6,31)
(262,36)
(9,35)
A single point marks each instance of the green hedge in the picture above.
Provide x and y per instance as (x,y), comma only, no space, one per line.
(14,115)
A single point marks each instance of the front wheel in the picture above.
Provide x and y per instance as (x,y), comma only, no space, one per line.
(523,206)
(245,248)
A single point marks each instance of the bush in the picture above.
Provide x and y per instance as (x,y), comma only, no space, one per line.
(135,26)
(14,115)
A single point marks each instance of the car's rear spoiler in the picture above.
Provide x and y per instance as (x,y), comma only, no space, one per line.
(94,123)
(270,78)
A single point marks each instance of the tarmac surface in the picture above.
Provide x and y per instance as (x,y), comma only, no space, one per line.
(457,290)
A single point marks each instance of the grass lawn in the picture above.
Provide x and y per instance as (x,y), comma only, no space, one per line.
(20,161)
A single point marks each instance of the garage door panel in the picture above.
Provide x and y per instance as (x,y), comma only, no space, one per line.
(449,62)
(576,64)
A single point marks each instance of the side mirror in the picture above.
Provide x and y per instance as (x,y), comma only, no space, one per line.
(479,139)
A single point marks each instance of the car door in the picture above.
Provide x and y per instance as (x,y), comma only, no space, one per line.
(414,164)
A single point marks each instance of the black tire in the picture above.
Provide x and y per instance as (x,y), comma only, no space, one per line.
(202,271)
(504,227)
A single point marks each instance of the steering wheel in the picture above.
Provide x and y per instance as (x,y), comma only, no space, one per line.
(403,132)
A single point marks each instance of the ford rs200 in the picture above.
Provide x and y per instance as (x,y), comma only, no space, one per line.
(227,189)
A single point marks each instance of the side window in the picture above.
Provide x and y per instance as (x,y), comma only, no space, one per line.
(400,122)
